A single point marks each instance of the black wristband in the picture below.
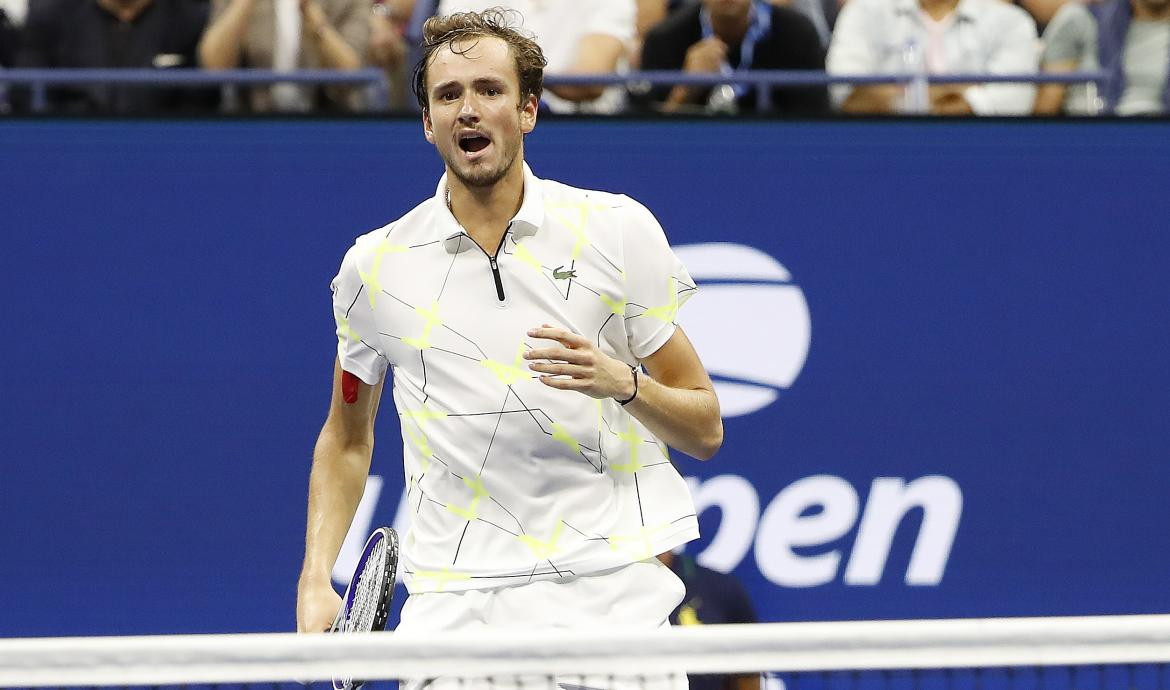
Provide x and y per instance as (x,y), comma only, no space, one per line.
(634,371)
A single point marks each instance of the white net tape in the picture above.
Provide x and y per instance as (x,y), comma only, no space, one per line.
(923,644)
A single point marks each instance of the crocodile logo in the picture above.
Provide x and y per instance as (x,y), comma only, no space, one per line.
(562,275)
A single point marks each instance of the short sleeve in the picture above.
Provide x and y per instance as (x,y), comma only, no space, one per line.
(356,328)
(657,282)
(612,18)
(1070,35)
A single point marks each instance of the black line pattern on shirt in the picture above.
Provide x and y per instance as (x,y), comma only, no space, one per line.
(539,416)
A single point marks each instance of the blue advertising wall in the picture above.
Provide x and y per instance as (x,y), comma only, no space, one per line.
(941,348)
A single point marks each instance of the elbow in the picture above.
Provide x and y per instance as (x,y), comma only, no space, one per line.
(209,60)
(711,441)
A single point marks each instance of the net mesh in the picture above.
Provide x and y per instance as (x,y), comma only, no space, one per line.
(1123,652)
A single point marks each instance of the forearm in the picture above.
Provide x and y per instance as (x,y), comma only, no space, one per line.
(682,96)
(335,52)
(871,99)
(578,93)
(220,47)
(336,485)
(685,419)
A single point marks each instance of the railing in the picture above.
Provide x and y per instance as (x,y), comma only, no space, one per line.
(374,80)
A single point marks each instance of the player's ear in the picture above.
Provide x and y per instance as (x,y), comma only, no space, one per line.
(528,114)
(428,127)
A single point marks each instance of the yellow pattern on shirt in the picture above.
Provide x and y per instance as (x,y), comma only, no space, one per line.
(372,282)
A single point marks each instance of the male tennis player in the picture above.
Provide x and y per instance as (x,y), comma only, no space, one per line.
(538,375)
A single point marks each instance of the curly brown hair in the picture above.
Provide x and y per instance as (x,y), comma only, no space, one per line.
(442,31)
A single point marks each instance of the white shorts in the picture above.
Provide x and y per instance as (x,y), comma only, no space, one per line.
(639,596)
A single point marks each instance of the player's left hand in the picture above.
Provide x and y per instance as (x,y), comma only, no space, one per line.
(576,364)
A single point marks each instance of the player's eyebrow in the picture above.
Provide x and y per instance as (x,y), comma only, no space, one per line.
(479,82)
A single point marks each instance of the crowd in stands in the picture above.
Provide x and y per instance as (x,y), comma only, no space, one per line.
(1128,40)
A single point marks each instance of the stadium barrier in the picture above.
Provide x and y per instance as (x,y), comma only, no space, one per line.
(375,81)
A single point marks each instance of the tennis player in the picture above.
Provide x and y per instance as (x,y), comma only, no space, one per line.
(539,375)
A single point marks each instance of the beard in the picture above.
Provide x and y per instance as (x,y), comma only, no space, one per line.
(478,176)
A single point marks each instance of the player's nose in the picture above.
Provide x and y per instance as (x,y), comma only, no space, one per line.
(468,112)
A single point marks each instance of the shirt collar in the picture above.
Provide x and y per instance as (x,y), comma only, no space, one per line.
(526,221)
(964,11)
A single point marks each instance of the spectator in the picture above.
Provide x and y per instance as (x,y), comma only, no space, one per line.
(815,11)
(119,34)
(1135,50)
(725,35)
(12,14)
(389,47)
(1070,45)
(952,36)
(577,38)
(712,598)
(288,35)
(8,37)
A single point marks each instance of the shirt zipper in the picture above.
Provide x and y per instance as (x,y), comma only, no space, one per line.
(495,265)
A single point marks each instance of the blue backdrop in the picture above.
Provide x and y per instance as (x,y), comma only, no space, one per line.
(944,345)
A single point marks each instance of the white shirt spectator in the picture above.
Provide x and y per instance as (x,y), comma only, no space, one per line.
(558,27)
(16,10)
(979,37)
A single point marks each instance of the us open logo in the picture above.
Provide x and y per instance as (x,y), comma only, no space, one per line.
(749,323)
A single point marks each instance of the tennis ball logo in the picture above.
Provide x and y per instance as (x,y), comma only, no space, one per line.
(749,323)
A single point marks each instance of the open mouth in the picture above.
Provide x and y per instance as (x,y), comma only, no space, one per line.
(473,142)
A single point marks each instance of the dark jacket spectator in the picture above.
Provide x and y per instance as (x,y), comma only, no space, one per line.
(116,34)
(712,598)
(712,37)
(8,37)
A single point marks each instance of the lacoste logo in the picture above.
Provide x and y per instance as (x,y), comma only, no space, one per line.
(561,275)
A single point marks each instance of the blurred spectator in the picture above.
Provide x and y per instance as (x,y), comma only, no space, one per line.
(389,47)
(118,34)
(815,11)
(1070,45)
(1134,49)
(712,598)
(944,37)
(288,35)
(8,38)
(577,37)
(12,14)
(721,36)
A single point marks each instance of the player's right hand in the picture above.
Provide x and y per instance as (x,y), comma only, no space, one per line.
(317,606)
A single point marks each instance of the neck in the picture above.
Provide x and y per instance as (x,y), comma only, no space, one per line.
(731,28)
(1145,12)
(124,10)
(484,212)
(938,9)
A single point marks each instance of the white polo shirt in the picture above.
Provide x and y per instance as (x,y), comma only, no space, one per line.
(510,480)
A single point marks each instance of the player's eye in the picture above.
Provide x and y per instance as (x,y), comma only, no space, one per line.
(491,91)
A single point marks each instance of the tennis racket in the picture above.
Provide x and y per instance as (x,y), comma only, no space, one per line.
(365,606)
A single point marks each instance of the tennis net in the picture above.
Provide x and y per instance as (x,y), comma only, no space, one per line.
(1131,652)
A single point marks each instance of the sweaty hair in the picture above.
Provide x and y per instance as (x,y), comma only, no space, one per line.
(442,31)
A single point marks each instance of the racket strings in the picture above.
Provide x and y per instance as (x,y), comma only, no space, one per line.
(366,598)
